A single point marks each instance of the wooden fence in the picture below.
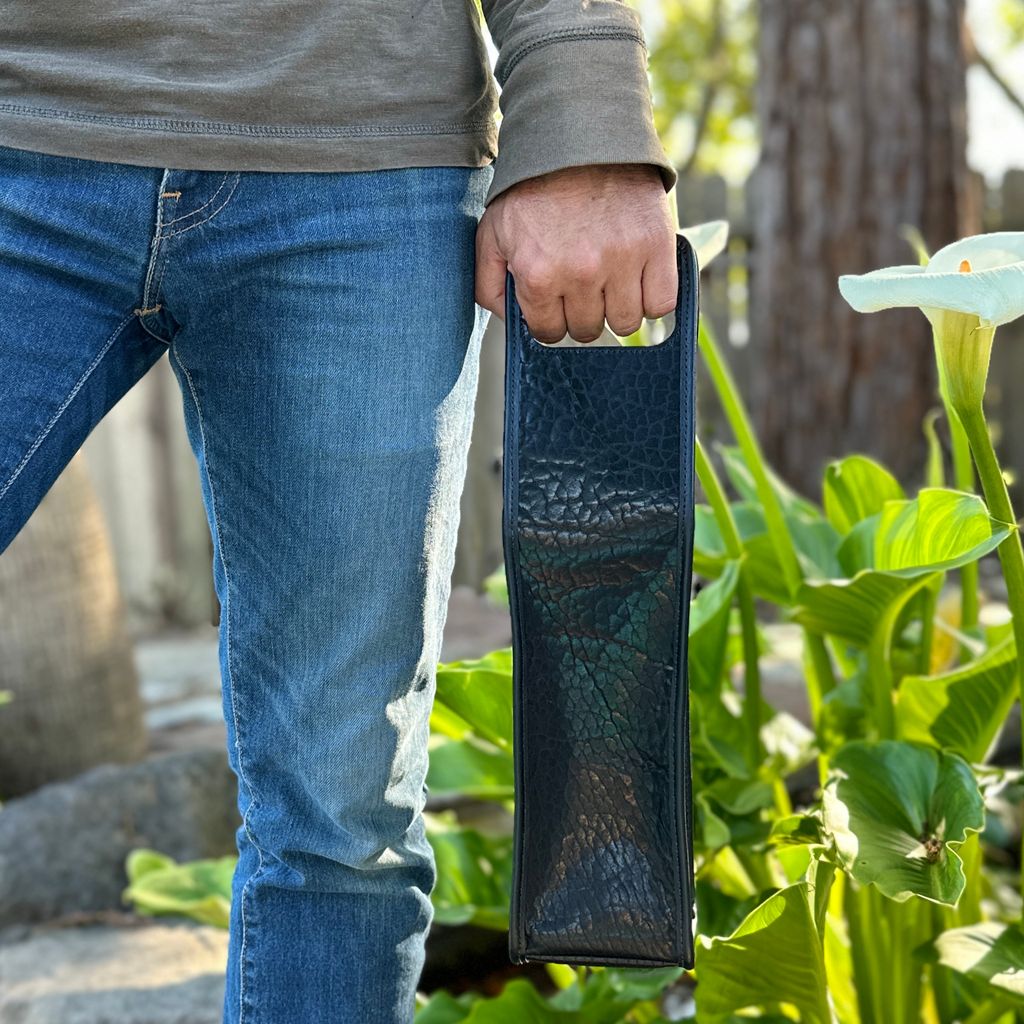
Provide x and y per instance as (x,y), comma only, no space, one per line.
(147,481)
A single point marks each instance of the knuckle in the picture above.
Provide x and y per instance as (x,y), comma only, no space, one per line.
(535,278)
(585,267)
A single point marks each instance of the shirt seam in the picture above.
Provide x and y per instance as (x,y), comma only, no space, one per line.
(187,127)
(568,34)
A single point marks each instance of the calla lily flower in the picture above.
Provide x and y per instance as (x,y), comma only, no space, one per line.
(966,290)
(981,276)
(708,240)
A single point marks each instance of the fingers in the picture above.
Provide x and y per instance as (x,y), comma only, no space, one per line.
(660,281)
(624,304)
(490,270)
(542,307)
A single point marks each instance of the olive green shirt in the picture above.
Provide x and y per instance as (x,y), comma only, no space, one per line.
(328,85)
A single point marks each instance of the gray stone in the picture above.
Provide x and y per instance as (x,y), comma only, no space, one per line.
(145,973)
(63,847)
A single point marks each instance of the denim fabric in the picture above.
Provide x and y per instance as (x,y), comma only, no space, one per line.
(323,330)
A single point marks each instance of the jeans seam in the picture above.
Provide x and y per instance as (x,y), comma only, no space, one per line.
(90,369)
(230,681)
(192,213)
(212,214)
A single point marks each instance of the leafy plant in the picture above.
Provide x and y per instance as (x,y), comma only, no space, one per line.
(870,900)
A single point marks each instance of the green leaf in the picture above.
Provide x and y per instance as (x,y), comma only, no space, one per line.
(709,630)
(897,812)
(773,957)
(855,488)
(445,1009)
(479,691)
(849,609)
(467,768)
(988,951)
(474,874)
(962,710)
(200,889)
(939,529)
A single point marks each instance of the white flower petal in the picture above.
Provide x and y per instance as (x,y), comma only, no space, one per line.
(994,295)
(708,240)
(984,252)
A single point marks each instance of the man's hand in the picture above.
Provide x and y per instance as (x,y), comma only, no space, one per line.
(584,245)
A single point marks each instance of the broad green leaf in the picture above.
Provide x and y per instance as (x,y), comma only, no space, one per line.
(443,1008)
(709,630)
(797,830)
(849,609)
(200,889)
(141,862)
(479,691)
(857,550)
(467,768)
(740,796)
(773,957)
(988,951)
(709,554)
(844,712)
(897,812)
(712,833)
(474,874)
(855,488)
(962,710)
(939,529)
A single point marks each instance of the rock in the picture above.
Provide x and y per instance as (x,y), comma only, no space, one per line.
(149,972)
(63,847)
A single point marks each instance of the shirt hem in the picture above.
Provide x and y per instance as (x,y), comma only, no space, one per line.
(221,146)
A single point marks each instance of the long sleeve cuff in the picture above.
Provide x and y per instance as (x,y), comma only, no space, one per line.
(573,101)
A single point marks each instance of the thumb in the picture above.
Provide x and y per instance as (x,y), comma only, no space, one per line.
(491,268)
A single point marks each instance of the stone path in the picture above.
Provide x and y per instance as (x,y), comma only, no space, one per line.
(124,970)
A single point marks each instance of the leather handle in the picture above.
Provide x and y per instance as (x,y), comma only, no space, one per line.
(688,271)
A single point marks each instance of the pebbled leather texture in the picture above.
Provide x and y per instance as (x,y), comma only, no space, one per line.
(598,536)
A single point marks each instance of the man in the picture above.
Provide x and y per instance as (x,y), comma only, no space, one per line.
(289,198)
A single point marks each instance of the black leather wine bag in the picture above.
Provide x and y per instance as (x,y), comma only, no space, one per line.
(597,525)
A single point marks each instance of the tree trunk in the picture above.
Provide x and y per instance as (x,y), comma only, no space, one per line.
(64,653)
(863,125)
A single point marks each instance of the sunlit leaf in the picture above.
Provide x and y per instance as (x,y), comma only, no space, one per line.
(897,812)
(773,957)
(962,710)
(855,488)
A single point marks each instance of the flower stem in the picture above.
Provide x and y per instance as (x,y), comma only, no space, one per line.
(719,503)
(1011,554)
(963,476)
(820,674)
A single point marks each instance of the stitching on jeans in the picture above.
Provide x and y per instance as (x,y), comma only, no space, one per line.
(198,223)
(67,401)
(253,796)
(597,32)
(230,128)
(192,213)
(154,247)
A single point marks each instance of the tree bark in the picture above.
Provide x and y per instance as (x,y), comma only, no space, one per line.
(64,652)
(862,105)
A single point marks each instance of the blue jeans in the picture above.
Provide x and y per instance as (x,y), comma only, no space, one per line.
(323,330)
